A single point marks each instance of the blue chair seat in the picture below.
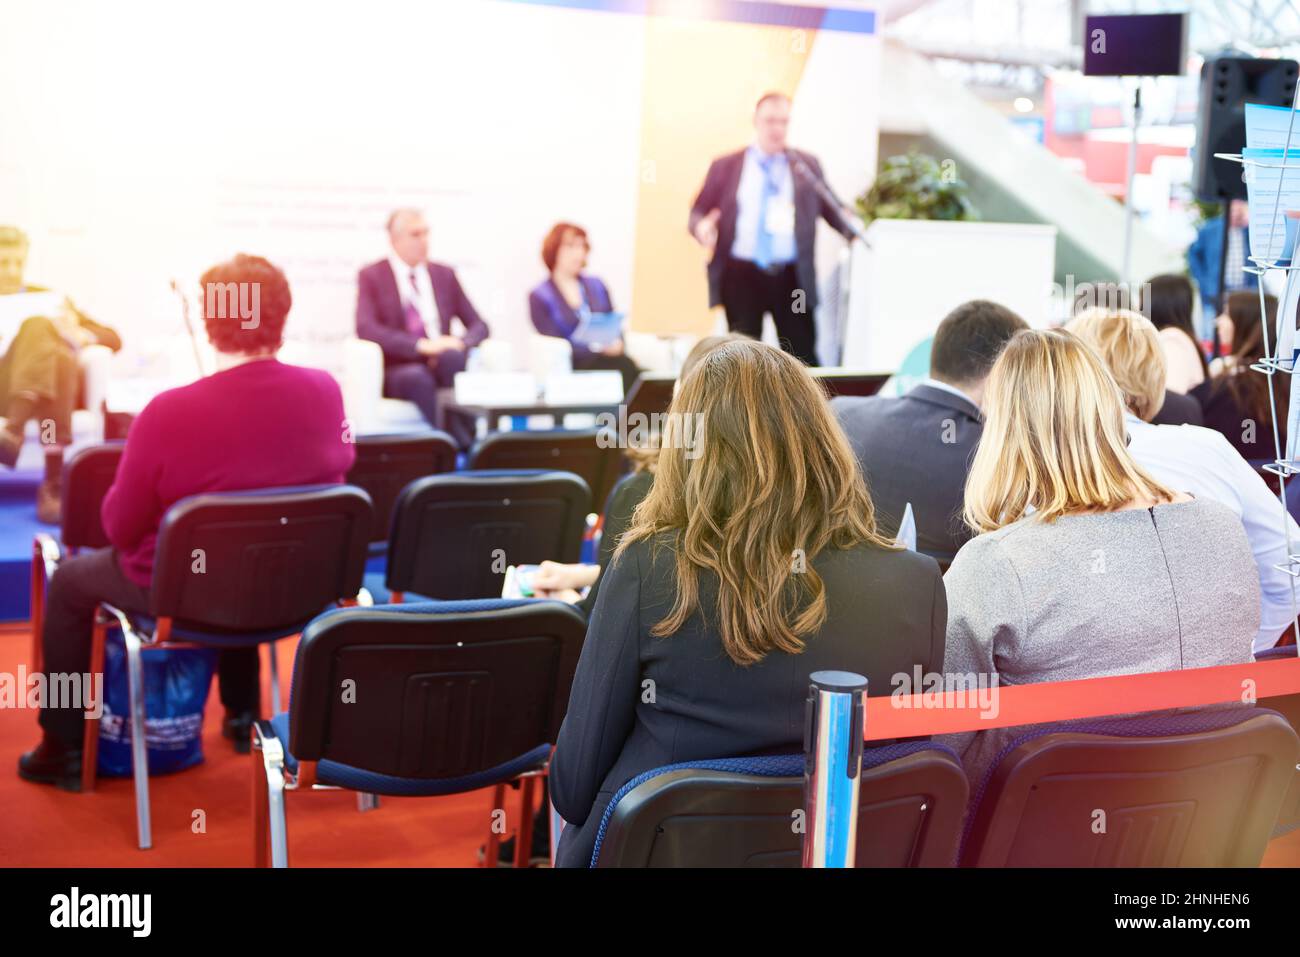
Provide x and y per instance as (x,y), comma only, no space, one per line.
(358,779)
(374,583)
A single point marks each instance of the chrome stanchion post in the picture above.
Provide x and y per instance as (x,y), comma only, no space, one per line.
(832,763)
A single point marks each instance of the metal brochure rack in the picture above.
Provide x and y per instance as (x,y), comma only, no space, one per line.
(1273,362)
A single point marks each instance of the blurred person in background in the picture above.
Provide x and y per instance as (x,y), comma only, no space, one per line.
(40,375)
(1207,249)
(1236,398)
(418,313)
(1169,306)
(559,304)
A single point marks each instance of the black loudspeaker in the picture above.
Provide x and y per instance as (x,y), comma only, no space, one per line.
(1228,83)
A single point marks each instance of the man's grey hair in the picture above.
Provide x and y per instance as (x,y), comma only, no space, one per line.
(402,213)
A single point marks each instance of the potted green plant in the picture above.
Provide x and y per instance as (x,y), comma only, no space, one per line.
(916,186)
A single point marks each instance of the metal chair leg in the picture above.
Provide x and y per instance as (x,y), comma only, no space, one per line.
(275,678)
(557,825)
(90,725)
(367,801)
(139,753)
(268,783)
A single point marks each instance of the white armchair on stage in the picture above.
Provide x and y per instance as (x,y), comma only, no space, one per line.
(362,377)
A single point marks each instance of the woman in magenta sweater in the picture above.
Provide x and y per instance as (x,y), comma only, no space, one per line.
(254,423)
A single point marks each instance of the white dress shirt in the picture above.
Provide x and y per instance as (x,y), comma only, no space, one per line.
(421,293)
(1201,462)
(945,387)
(749,203)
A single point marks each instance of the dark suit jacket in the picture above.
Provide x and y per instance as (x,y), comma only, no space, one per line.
(380,317)
(719,192)
(1179,409)
(887,612)
(553,316)
(916,448)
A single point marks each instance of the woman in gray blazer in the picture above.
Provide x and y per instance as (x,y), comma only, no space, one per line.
(1085,565)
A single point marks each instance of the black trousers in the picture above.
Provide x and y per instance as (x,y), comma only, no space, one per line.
(419,382)
(748,292)
(620,364)
(78,586)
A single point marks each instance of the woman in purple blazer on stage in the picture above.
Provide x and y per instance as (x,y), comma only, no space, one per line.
(558,304)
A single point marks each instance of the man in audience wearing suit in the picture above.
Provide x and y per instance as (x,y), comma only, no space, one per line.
(418,313)
(917,448)
(756,215)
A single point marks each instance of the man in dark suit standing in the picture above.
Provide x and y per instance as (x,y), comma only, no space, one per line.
(918,448)
(411,307)
(757,216)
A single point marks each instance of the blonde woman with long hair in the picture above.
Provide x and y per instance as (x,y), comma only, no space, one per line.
(1085,565)
(753,561)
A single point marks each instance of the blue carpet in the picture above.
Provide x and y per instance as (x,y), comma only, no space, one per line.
(18,525)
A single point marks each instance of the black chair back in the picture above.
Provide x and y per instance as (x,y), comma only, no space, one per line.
(438,694)
(386,464)
(87,477)
(592,454)
(651,394)
(260,560)
(909,815)
(838,381)
(454,535)
(1198,789)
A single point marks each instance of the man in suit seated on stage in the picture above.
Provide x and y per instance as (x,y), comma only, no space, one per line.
(412,308)
(917,448)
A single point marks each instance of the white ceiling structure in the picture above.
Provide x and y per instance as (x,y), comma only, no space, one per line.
(1026,38)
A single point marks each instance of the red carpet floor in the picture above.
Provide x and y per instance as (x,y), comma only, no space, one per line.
(43,826)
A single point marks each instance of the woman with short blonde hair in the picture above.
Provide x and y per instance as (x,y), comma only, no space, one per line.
(1054,437)
(1130,347)
(1087,565)
(753,562)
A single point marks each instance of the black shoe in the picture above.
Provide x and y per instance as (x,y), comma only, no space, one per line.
(238,727)
(52,762)
(541,849)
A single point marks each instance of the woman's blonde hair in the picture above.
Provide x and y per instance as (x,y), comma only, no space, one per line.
(768,482)
(1130,347)
(1054,437)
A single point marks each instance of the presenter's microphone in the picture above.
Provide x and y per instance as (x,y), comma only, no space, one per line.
(810,176)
